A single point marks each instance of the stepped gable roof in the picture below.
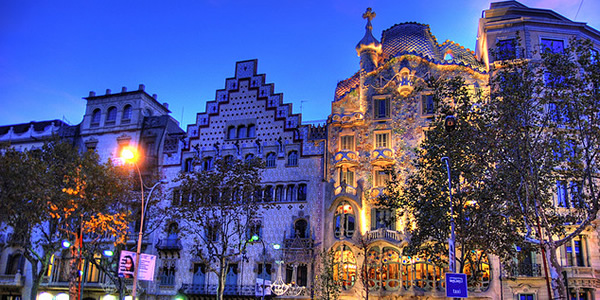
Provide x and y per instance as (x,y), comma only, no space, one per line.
(416,39)
(346,86)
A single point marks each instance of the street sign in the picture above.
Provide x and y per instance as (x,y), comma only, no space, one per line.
(456,285)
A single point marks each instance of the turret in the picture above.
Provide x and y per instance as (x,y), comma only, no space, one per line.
(368,48)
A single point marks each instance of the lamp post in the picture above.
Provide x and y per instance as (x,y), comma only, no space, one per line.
(450,125)
(129,155)
(255,238)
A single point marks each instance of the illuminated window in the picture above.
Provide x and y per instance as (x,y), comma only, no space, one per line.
(344,220)
(477,269)
(344,270)
(382,140)
(346,176)
(383,218)
(384,269)
(347,142)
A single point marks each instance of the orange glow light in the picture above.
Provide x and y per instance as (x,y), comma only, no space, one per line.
(128,154)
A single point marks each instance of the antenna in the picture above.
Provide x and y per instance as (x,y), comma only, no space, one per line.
(302,101)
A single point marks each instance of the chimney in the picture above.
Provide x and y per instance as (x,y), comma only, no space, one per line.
(108,91)
(166,105)
(92,94)
(142,87)
(124,89)
(154,96)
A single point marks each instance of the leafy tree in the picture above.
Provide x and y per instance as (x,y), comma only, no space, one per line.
(55,193)
(536,135)
(481,225)
(326,287)
(546,142)
(221,208)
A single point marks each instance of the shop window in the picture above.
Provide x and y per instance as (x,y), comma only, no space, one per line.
(344,220)
(344,270)
(477,269)
(92,273)
(384,269)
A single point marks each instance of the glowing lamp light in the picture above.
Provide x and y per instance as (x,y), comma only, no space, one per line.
(276,246)
(45,296)
(108,253)
(254,238)
(66,244)
(128,154)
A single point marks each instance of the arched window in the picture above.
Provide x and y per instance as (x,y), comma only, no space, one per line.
(301,192)
(96,117)
(279,193)
(344,220)
(188,165)
(251,130)
(111,115)
(15,264)
(231,132)
(207,163)
(126,113)
(241,132)
(289,193)
(270,161)
(385,269)
(301,228)
(292,158)
(344,269)
(268,193)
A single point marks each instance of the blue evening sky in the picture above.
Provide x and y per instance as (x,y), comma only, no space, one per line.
(52,53)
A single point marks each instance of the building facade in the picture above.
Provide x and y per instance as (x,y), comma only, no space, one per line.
(320,182)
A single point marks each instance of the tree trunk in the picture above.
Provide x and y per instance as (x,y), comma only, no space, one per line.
(557,283)
(222,278)
(74,275)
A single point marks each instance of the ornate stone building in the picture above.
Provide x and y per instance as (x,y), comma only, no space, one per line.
(320,181)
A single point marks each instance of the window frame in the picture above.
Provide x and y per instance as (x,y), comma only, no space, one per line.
(380,112)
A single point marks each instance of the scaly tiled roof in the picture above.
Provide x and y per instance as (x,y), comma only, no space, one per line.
(346,86)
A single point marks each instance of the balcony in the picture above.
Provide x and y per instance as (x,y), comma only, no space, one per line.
(345,157)
(211,289)
(382,157)
(298,249)
(523,270)
(385,234)
(12,280)
(169,244)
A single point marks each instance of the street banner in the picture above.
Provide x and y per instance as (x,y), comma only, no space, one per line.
(146,267)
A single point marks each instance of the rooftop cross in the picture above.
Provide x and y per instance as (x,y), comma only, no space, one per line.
(369,15)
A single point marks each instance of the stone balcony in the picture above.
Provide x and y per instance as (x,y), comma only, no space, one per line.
(345,157)
(382,157)
(12,280)
(385,234)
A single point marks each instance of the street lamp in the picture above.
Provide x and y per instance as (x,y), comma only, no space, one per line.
(128,154)
(450,125)
(255,238)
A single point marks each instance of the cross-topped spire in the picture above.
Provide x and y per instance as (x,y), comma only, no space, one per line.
(369,14)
